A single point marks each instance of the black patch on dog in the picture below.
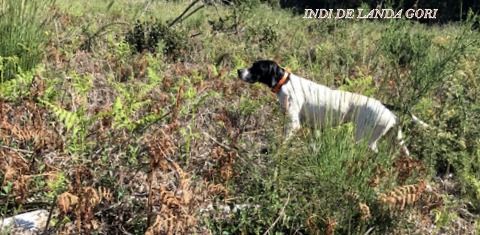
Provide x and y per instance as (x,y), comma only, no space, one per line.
(267,72)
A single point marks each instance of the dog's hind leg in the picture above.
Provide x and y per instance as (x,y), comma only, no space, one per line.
(377,133)
(401,143)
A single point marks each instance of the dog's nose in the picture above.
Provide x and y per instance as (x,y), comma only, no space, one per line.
(239,72)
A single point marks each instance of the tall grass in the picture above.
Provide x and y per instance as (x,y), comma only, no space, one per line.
(22,33)
(328,177)
(315,182)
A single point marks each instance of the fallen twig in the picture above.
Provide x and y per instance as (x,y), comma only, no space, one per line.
(218,142)
(16,149)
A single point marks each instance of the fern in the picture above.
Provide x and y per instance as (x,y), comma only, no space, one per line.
(82,83)
(473,183)
(70,119)
(120,117)
(131,100)
(18,87)
(76,124)
(363,85)
(153,80)
(401,196)
(153,77)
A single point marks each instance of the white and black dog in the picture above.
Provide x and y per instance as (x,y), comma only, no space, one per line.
(306,102)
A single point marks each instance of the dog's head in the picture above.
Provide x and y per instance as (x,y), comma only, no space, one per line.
(264,71)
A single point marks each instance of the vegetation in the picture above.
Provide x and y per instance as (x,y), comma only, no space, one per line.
(24,32)
(121,117)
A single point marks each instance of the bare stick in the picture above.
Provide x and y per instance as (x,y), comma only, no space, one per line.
(183,13)
(191,13)
(50,215)
(218,142)
(17,149)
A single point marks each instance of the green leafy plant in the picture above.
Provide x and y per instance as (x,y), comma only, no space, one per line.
(362,85)
(317,181)
(264,36)
(76,124)
(19,86)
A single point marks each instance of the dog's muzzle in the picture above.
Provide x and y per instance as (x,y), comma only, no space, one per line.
(245,75)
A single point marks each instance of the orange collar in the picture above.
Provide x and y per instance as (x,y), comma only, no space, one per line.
(285,78)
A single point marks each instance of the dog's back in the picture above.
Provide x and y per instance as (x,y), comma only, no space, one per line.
(319,105)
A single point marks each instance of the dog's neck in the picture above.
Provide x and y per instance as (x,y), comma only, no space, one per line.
(285,77)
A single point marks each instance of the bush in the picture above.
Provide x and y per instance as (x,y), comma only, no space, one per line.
(423,65)
(430,70)
(146,36)
(22,33)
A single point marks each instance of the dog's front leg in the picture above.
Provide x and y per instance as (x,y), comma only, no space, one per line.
(292,112)
(291,127)
(293,122)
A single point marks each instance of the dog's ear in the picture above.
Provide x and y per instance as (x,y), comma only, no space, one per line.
(273,82)
(276,72)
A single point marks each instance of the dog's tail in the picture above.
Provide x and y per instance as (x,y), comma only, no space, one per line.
(415,119)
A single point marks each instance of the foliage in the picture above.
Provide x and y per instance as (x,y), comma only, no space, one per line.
(429,64)
(148,34)
(315,187)
(264,36)
(18,87)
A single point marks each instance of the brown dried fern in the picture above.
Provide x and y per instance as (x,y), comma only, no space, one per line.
(176,215)
(402,196)
(364,211)
(405,167)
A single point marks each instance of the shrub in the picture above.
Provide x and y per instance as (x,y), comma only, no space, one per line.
(436,79)
(265,36)
(418,65)
(146,36)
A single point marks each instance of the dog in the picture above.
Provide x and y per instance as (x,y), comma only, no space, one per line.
(306,102)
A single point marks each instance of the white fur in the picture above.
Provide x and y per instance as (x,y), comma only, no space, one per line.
(316,105)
